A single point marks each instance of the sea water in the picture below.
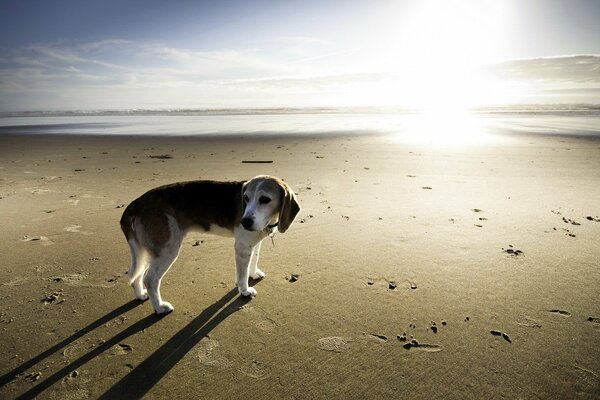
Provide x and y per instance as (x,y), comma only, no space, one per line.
(449,125)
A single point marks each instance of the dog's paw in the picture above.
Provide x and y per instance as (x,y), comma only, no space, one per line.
(164,308)
(258,274)
(250,292)
(142,296)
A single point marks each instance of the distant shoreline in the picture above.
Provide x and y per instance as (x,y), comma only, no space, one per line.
(513,108)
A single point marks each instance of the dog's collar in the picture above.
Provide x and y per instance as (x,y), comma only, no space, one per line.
(270,231)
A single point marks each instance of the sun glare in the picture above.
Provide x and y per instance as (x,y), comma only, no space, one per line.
(441,48)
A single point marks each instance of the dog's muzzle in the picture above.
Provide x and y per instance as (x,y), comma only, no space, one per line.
(247,223)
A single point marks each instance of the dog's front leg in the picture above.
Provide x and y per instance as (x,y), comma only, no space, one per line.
(245,242)
(256,273)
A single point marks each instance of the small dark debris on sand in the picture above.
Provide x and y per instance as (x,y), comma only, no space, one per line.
(477,210)
(30,376)
(293,278)
(392,285)
(434,328)
(590,218)
(53,297)
(161,156)
(370,282)
(377,336)
(560,312)
(415,344)
(413,286)
(504,335)
(120,206)
(197,243)
(426,187)
(511,251)
(595,320)
(570,221)
(257,161)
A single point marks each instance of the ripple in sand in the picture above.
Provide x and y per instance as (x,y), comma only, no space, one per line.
(37,239)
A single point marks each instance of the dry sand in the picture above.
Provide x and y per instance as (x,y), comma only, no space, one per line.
(420,272)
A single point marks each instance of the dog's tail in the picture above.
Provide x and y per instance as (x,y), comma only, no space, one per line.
(128,221)
(128,227)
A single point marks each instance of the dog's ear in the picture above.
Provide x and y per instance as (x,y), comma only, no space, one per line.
(242,196)
(289,208)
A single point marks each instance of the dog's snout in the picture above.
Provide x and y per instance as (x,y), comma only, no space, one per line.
(247,223)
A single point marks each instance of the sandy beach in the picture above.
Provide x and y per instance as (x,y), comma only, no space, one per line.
(412,271)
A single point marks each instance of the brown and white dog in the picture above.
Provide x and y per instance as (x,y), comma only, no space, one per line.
(156,223)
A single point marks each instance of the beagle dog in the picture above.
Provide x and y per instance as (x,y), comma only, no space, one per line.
(155,224)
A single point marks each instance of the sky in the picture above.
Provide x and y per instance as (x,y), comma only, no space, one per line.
(121,54)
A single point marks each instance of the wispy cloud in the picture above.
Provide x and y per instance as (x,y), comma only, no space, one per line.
(292,71)
(583,68)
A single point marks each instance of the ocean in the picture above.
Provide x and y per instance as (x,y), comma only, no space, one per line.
(440,125)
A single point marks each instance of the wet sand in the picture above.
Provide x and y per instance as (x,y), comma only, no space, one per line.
(412,271)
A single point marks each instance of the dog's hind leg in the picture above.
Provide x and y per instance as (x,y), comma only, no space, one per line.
(159,264)
(136,270)
(254,271)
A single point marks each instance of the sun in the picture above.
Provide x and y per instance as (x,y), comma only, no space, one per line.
(442,46)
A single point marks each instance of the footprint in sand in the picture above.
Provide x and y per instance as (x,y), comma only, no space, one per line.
(256,370)
(208,354)
(76,229)
(333,343)
(528,322)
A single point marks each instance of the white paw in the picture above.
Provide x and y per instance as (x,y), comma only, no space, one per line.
(142,295)
(258,274)
(164,308)
(250,292)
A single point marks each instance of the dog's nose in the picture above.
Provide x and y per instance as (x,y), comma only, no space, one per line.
(247,223)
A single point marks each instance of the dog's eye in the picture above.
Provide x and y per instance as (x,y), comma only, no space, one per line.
(246,198)
(264,200)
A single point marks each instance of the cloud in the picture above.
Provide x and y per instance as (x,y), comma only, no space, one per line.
(578,69)
(290,71)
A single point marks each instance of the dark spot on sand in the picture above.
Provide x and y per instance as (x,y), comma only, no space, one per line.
(511,251)
(477,210)
(595,320)
(161,156)
(413,286)
(434,328)
(426,187)
(370,282)
(126,347)
(392,285)
(560,312)
(197,242)
(120,206)
(293,278)
(590,218)
(570,221)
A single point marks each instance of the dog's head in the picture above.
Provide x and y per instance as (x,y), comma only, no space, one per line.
(267,200)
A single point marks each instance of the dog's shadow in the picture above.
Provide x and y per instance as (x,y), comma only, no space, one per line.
(143,377)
